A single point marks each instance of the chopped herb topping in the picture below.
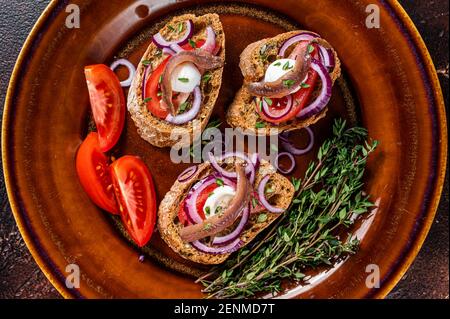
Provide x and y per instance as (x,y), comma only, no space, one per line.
(255,202)
(288,83)
(146,62)
(192,44)
(262,218)
(160,79)
(207,226)
(183,107)
(148,99)
(268,101)
(219,182)
(287,66)
(208,210)
(310,48)
(277,64)
(184,80)
(180,27)
(305,85)
(158,53)
(206,77)
(171,28)
(260,125)
(159,94)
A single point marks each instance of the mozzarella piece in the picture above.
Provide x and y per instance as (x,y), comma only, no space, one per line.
(278,68)
(185,78)
(220,197)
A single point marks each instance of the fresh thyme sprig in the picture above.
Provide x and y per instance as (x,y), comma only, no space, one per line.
(309,234)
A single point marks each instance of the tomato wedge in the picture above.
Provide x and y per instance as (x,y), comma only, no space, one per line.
(153,89)
(300,98)
(201,200)
(94,175)
(153,92)
(135,193)
(107,103)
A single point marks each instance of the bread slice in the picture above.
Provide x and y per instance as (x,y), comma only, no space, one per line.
(169,226)
(154,130)
(242,111)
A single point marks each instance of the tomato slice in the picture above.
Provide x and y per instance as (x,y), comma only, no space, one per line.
(135,193)
(300,98)
(107,103)
(94,175)
(201,200)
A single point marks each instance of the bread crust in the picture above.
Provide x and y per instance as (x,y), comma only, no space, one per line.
(241,112)
(154,130)
(169,227)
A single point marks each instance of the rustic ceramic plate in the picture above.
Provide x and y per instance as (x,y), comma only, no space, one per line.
(390,87)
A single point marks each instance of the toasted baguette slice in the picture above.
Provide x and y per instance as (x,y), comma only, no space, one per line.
(154,130)
(242,111)
(169,226)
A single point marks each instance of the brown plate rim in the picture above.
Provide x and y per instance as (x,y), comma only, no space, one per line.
(425,63)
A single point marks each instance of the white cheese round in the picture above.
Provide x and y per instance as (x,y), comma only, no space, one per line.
(185,78)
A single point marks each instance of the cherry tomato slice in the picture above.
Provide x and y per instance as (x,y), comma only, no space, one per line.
(135,193)
(94,175)
(201,200)
(107,103)
(300,98)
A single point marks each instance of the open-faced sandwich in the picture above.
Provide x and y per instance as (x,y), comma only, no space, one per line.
(178,79)
(287,83)
(218,207)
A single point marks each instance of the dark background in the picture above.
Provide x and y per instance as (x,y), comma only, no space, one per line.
(20,277)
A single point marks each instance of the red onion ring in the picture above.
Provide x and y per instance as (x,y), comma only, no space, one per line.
(222,240)
(230,248)
(168,51)
(262,196)
(255,160)
(289,146)
(129,66)
(176,48)
(267,112)
(191,199)
(249,169)
(189,115)
(292,159)
(210,43)
(325,94)
(327,57)
(304,36)
(187,174)
(160,42)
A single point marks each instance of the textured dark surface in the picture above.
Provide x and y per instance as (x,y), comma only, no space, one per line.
(20,277)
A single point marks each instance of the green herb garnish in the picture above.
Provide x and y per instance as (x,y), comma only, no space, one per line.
(206,77)
(146,62)
(183,107)
(255,202)
(277,64)
(260,125)
(160,79)
(288,83)
(309,233)
(171,28)
(310,48)
(192,44)
(305,85)
(287,66)
(268,101)
(147,99)
(219,182)
(208,210)
(262,218)
(180,27)
(184,80)
(159,93)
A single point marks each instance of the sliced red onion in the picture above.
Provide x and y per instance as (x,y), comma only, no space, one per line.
(189,115)
(147,72)
(327,57)
(262,196)
(175,47)
(187,174)
(223,240)
(131,71)
(304,36)
(289,146)
(160,42)
(255,160)
(267,112)
(291,158)
(191,199)
(210,43)
(325,94)
(249,169)
(230,248)
(168,51)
